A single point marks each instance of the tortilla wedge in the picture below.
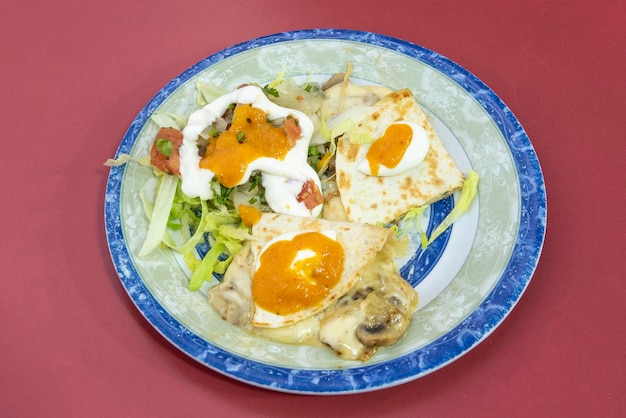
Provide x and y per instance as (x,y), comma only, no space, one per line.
(380,200)
(360,242)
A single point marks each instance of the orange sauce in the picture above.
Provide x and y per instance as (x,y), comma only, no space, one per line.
(249,215)
(389,149)
(284,285)
(250,136)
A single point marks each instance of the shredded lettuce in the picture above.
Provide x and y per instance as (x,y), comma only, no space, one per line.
(349,128)
(279,78)
(359,137)
(324,129)
(205,268)
(345,127)
(207,93)
(168,120)
(124,158)
(307,97)
(160,213)
(468,192)
(226,240)
(416,214)
(182,223)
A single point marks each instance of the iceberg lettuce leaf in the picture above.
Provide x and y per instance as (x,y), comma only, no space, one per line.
(160,213)
(206,267)
(468,192)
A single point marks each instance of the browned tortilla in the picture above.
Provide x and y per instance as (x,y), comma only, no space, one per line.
(382,200)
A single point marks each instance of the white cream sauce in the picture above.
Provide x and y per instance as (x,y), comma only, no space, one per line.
(283,179)
(413,155)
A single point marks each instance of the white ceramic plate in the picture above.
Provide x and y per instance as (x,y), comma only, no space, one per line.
(468,281)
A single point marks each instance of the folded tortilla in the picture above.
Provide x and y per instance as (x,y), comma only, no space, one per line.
(380,200)
(370,307)
(360,242)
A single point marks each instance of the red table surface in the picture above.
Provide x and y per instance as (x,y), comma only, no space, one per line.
(74,74)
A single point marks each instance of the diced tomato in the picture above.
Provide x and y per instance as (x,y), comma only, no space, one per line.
(166,156)
(310,195)
(292,129)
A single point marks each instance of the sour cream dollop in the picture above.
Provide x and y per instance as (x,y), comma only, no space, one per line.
(402,147)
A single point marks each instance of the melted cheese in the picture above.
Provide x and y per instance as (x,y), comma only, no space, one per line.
(338,332)
(334,327)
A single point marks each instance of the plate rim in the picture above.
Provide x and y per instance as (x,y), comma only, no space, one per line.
(516,275)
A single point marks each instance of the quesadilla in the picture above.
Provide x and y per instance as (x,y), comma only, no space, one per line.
(383,199)
(369,304)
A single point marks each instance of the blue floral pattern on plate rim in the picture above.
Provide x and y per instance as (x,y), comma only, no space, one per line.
(455,343)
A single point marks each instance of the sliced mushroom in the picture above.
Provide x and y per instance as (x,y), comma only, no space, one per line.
(386,320)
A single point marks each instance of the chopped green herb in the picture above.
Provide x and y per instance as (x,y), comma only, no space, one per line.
(241,136)
(254,183)
(165,146)
(270,91)
(252,200)
(223,196)
(214,132)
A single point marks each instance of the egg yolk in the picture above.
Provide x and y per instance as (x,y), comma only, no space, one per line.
(286,283)
(389,149)
(250,136)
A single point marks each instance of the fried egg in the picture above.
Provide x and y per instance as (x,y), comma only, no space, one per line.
(297,275)
(284,167)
